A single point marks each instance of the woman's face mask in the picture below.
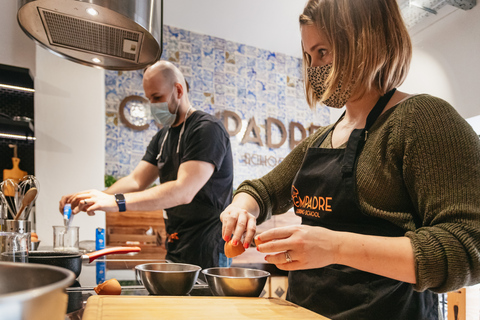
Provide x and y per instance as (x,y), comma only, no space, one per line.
(318,77)
(161,113)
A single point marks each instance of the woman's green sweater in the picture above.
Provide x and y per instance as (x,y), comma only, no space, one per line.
(419,169)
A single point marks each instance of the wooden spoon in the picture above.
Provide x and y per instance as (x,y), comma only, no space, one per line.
(27,199)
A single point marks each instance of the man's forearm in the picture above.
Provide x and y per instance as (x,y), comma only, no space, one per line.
(123,185)
(164,196)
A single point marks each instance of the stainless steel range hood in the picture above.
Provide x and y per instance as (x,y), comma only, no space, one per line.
(109,34)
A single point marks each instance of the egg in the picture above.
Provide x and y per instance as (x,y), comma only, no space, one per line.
(109,287)
(34,237)
(233,251)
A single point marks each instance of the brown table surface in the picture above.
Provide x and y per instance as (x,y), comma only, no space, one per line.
(186,308)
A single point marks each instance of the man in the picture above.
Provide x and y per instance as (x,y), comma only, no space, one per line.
(192,156)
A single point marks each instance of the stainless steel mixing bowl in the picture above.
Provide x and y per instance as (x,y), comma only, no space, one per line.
(34,245)
(241,282)
(175,279)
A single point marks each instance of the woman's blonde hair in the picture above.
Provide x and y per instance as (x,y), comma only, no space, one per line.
(370,45)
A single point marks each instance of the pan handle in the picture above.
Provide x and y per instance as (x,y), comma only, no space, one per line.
(99,253)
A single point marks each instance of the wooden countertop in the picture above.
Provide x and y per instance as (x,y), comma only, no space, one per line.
(199,308)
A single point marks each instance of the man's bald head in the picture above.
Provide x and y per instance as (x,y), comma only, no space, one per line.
(163,82)
(167,71)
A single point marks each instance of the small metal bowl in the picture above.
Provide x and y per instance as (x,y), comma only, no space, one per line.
(176,279)
(34,245)
(240,282)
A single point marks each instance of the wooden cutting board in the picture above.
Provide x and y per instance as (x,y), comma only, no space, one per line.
(15,174)
(187,308)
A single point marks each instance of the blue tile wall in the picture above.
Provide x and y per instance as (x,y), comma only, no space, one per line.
(223,75)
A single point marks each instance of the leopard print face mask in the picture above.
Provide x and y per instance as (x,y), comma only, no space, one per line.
(318,77)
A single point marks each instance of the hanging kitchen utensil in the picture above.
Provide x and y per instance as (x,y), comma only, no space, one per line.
(15,173)
(27,183)
(4,200)
(29,197)
(3,208)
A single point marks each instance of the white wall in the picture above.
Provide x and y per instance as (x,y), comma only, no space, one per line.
(70,145)
(16,49)
(475,123)
(69,125)
(445,61)
(265,24)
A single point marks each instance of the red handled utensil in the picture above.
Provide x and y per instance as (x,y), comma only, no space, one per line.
(73,261)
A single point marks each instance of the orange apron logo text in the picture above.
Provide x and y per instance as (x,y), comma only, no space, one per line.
(305,204)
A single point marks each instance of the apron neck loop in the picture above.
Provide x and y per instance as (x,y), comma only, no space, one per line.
(378,108)
(358,136)
(163,143)
(180,136)
(183,128)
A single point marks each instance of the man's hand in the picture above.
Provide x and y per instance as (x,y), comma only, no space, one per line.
(90,201)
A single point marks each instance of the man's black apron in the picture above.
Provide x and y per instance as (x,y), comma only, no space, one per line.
(194,230)
(324,195)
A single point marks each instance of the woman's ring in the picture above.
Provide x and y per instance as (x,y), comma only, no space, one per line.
(287,257)
(85,201)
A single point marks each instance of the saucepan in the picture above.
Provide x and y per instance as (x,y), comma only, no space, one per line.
(73,261)
(34,292)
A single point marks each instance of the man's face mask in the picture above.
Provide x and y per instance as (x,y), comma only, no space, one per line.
(318,77)
(162,115)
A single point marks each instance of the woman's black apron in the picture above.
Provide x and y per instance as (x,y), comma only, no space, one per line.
(324,195)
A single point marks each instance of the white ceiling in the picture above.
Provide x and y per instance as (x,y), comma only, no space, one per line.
(273,24)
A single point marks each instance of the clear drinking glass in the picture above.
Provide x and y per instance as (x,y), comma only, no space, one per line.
(65,239)
(14,246)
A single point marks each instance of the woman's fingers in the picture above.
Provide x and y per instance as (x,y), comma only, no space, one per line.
(229,221)
(251,227)
(280,261)
(240,227)
(236,223)
(281,257)
(276,234)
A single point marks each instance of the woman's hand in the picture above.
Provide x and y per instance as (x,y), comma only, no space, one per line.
(308,247)
(91,200)
(238,221)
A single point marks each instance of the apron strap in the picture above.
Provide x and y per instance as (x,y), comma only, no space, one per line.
(325,135)
(354,145)
(359,136)
(378,109)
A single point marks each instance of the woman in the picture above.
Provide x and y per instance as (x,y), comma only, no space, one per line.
(389,195)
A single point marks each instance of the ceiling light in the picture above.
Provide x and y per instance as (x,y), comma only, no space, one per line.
(92,11)
(16,137)
(19,128)
(96,60)
(6,86)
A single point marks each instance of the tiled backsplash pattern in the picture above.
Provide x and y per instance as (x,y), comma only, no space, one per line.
(223,75)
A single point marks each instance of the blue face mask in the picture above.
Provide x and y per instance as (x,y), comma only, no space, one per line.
(162,115)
